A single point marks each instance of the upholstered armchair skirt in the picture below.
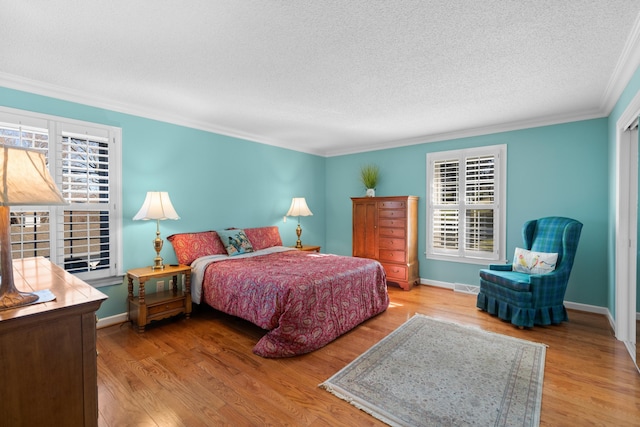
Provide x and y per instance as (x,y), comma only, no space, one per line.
(525,299)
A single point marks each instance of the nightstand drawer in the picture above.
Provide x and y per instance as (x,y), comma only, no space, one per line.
(395,272)
(165,307)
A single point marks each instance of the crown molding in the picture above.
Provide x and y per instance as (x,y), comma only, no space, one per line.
(467,133)
(71,95)
(627,65)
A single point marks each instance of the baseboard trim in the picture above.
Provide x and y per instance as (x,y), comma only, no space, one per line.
(456,287)
(112,320)
(437,284)
(474,289)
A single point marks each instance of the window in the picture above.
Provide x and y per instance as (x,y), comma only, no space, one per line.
(466,207)
(84,159)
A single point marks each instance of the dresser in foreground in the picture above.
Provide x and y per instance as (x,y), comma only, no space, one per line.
(48,360)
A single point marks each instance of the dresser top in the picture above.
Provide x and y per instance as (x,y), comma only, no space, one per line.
(386,198)
(38,273)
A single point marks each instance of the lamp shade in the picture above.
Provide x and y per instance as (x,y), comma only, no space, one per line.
(299,207)
(25,179)
(157,205)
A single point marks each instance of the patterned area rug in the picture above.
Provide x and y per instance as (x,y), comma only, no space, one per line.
(434,373)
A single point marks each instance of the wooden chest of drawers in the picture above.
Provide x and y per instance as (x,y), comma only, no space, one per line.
(49,373)
(386,229)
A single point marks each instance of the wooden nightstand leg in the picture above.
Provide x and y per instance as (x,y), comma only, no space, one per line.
(187,294)
(130,281)
(175,284)
(142,315)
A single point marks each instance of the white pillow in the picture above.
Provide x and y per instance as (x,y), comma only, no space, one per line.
(529,262)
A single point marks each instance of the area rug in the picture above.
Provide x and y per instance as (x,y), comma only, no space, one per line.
(435,373)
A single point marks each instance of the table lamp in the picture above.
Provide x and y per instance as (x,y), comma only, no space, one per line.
(157,205)
(299,208)
(25,180)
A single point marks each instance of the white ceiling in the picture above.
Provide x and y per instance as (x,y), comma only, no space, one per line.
(328,77)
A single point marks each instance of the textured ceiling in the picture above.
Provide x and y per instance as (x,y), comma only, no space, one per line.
(328,77)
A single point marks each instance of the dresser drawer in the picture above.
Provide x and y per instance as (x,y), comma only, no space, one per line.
(392,205)
(390,213)
(392,223)
(391,243)
(393,256)
(391,232)
(395,272)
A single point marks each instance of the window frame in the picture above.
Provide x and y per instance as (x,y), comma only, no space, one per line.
(57,128)
(460,253)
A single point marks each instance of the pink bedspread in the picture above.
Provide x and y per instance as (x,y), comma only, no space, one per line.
(304,299)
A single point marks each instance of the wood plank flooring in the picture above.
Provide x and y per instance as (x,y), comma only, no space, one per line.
(201,371)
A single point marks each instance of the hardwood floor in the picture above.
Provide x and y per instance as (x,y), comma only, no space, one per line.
(201,371)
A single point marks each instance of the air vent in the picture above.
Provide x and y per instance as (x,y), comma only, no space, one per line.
(466,289)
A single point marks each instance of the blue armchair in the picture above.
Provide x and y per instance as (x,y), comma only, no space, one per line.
(526,299)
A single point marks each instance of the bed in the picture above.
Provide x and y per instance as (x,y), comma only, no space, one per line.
(304,300)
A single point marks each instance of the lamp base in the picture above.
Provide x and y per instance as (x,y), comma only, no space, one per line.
(157,245)
(157,264)
(16,299)
(299,233)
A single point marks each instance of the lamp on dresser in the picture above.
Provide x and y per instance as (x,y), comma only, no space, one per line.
(25,180)
(157,205)
(299,208)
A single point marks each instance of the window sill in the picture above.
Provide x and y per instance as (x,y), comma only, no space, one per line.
(479,261)
(106,281)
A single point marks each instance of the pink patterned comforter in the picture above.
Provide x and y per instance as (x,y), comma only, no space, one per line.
(304,299)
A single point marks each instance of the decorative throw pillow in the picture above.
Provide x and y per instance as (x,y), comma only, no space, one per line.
(530,262)
(191,246)
(235,241)
(263,237)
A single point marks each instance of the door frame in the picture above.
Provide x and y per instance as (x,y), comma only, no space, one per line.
(626,229)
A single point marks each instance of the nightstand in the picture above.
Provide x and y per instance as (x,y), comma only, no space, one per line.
(308,248)
(143,309)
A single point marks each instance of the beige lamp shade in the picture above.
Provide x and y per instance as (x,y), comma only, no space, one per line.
(299,207)
(157,205)
(24,180)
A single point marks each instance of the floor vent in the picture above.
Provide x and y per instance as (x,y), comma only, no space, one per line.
(466,289)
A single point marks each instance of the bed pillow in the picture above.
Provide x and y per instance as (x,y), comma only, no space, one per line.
(191,246)
(530,262)
(235,241)
(263,237)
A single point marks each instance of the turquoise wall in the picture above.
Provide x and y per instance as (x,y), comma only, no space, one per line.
(217,181)
(214,181)
(553,170)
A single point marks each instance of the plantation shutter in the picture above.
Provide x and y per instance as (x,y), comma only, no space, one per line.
(84,160)
(480,196)
(465,207)
(85,225)
(30,227)
(446,208)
